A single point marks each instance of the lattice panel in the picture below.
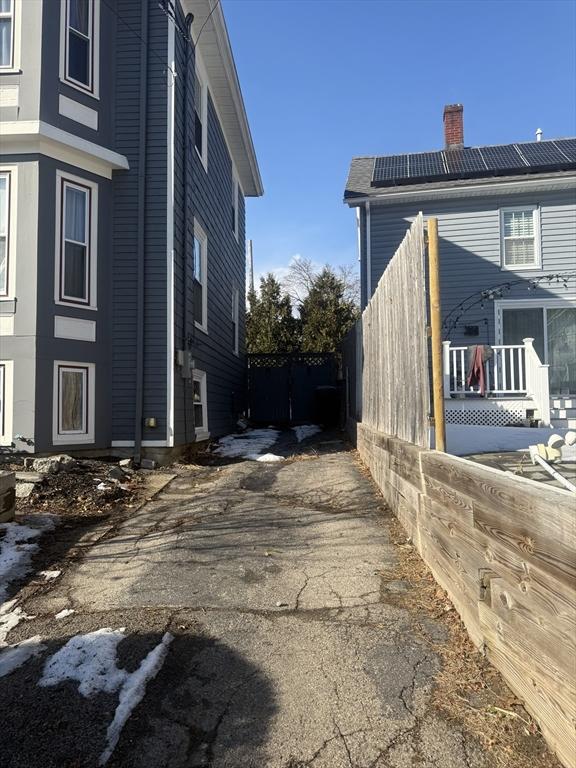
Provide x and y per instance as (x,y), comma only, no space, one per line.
(486,417)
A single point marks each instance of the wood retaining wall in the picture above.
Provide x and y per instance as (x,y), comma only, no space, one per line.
(503,547)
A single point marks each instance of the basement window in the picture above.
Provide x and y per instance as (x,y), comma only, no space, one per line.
(73,402)
(200,405)
(520,238)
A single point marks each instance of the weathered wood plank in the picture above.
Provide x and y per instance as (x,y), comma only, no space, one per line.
(548,699)
(395,392)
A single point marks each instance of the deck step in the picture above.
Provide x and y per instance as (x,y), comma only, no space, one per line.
(563,413)
(563,402)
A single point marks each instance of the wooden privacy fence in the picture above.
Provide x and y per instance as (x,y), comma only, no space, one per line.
(395,389)
(503,547)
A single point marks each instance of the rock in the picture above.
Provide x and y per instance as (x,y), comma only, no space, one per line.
(53,464)
(23,490)
(116,473)
(148,464)
(125,463)
(7,496)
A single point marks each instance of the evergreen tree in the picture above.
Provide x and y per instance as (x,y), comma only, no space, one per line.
(326,313)
(270,325)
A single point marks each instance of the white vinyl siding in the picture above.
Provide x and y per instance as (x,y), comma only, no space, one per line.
(76,231)
(79,45)
(520,238)
(200,279)
(200,405)
(73,402)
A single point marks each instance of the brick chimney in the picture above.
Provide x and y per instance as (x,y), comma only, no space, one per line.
(454,126)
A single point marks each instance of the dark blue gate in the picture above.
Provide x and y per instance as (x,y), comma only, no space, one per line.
(292,388)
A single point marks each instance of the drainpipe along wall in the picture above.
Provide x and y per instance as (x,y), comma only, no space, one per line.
(141,237)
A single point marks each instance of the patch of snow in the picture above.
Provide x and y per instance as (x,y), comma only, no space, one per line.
(90,660)
(64,612)
(49,575)
(14,656)
(10,616)
(266,457)
(465,440)
(305,431)
(102,487)
(17,546)
(249,445)
(133,692)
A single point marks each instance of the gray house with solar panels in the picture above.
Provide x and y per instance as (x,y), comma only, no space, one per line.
(507,228)
(125,160)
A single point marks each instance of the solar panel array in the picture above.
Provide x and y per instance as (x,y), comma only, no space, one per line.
(475,162)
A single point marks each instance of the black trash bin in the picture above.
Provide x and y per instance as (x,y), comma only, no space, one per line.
(327,406)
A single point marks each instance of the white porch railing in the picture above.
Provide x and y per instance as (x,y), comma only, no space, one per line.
(513,370)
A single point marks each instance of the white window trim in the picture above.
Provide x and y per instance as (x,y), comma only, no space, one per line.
(203,78)
(94,89)
(7,398)
(89,391)
(235,202)
(537,239)
(12,171)
(236,320)
(61,179)
(15,65)
(200,376)
(201,235)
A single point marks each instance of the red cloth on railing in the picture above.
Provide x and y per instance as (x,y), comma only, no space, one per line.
(476,373)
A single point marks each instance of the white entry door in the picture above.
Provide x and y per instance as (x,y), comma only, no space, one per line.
(552,325)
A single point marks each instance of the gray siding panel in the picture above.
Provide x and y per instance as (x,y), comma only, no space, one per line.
(210,200)
(469,232)
(125,224)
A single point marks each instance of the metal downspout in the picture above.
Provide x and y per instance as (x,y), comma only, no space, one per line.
(141,237)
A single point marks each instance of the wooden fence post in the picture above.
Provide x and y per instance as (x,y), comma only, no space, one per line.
(436,336)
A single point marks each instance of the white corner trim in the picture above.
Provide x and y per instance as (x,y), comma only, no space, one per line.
(74,328)
(368,253)
(39,137)
(170,144)
(73,110)
(7,398)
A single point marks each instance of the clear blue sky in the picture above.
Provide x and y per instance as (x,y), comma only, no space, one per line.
(324,80)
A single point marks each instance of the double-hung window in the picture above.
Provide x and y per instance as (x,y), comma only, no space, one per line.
(235,318)
(520,238)
(4,231)
(6,34)
(73,402)
(79,56)
(76,253)
(200,407)
(200,280)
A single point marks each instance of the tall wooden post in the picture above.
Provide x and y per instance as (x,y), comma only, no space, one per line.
(436,335)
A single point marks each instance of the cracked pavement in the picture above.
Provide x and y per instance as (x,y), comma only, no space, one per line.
(286,652)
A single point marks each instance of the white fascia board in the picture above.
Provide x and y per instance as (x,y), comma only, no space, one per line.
(510,186)
(39,137)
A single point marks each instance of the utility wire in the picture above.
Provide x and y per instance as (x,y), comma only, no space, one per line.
(206,21)
(137,34)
